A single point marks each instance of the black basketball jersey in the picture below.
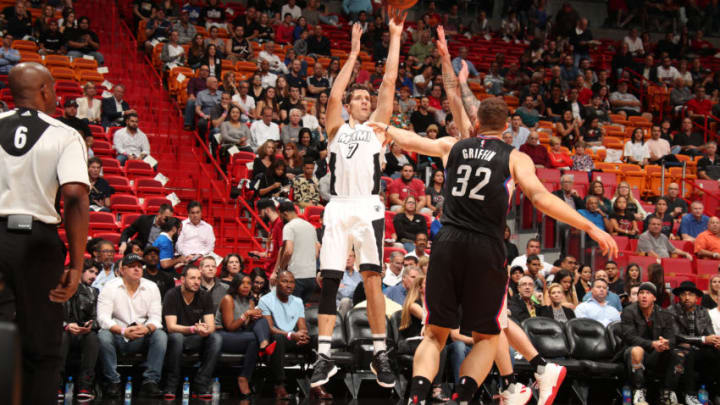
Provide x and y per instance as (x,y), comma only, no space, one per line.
(478,186)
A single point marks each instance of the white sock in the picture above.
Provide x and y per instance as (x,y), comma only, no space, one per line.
(324,343)
(379,342)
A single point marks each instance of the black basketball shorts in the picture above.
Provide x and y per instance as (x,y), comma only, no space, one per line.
(467,269)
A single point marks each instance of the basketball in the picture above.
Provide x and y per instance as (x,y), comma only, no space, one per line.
(401,4)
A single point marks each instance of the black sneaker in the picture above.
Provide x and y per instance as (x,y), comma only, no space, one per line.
(323,369)
(380,366)
(150,389)
(112,391)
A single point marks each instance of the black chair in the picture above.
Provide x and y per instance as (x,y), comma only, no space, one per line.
(10,369)
(589,342)
(548,337)
(359,342)
(614,334)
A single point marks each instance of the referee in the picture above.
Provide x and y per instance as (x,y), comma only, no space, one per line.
(38,156)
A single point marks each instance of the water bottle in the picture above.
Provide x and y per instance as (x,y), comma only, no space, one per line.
(703,395)
(69,390)
(128,390)
(186,390)
(627,395)
(216,389)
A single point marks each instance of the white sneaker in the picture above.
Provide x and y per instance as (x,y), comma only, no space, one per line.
(549,383)
(515,394)
(692,400)
(639,397)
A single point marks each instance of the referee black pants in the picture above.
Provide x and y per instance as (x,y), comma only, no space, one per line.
(31,264)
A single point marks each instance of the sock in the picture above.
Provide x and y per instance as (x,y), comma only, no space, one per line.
(379,343)
(419,390)
(506,381)
(538,363)
(324,343)
(638,376)
(465,390)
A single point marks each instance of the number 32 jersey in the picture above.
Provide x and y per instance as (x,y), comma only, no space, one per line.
(354,162)
(478,186)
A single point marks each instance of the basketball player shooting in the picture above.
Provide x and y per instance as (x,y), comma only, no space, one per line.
(355,216)
(467,265)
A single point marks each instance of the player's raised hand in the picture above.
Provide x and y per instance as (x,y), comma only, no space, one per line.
(441,43)
(464,73)
(356,35)
(396,20)
(607,244)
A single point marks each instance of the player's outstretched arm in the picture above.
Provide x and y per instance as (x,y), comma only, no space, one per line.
(335,101)
(413,142)
(523,172)
(470,102)
(450,82)
(386,93)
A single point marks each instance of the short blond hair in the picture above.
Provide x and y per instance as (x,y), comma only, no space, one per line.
(555,140)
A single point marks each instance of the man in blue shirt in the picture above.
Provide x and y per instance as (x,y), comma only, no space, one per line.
(597,307)
(694,222)
(166,248)
(286,315)
(398,292)
(462,56)
(612,299)
(593,213)
(8,57)
(351,279)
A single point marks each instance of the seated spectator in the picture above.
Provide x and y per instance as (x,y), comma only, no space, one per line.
(516,272)
(434,192)
(633,206)
(612,298)
(694,223)
(568,194)
(636,151)
(234,132)
(649,334)
(532,248)
(658,148)
(83,41)
(290,132)
(707,243)
(114,110)
(318,44)
(212,284)
(581,161)
(597,189)
(51,41)
(408,223)
(592,134)
(615,283)
(633,276)
(621,221)
(163,279)
(197,238)
(510,248)
(654,243)
(568,128)
(157,30)
(708,167)
(421,242)
(206,103)
(246,102)
(557,157)
(274,182)
(584,281)
(305,186)
(297,78)
(190,322)
(399,291)
(407,185)
(131,325)
(81,326)
(528,112)
(238,48)
(596,307)
(676,204)
(350,280)
(680,94)
(173,54)
(712,298)
(537,152)
(699,107)
(184,28)
(196,53)
(555,309)
(244,329)
(624,102)
(522,306)
(88,107)
(264,129)
(69,117)
(690,142)
(285,315)
(661,211)
(275,65)
(393,271)
(100,190)
(519,133)
(395,160)
(594,214)
(697,339)
(104,253)
(130,142)
(145,228)
(164,243)
(267,210)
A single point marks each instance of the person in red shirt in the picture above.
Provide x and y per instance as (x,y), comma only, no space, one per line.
(558,158)
(537,152)
(268,213)
(700,106)
(284,31)
(404,186)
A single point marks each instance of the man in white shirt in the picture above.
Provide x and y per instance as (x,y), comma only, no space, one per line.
(263,130)
(129,313)
(197,238)
(533,248)
(245,101)
(276,65)
(393,273)
(421,241)
(518,131)
(130,142)
(423,81)
(666,73)
(291,8)
(634,43)
(267,78)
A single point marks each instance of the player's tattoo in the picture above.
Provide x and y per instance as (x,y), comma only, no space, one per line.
(449,80)
(470,103)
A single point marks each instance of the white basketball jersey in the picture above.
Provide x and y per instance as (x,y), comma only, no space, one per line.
(354,157)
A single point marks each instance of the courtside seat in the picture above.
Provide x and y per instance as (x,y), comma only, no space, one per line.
(338,351)
(589,343)
(548,337)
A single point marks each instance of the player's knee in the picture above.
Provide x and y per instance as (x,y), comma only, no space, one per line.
(328,294)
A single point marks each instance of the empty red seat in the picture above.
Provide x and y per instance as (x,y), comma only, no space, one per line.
(643,262)
(707,267)
(111,165)
(125,203)
(113,237)
(622,242)
(102,221)
(121,184)
(138,168)
(676,266)
(152,204)
(146,186)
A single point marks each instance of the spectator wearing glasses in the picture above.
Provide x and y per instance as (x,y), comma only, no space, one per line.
(104,255)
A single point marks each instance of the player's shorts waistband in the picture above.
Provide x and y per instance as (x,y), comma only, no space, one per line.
(371,198)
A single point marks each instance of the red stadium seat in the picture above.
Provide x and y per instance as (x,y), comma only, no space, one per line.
(113,237)
(707,267)
(121,184)
(314,210)
(102,221)
(146,186)
(111,165)
(137,168)
(677,266)
(389,226)
(152,204)
(125,204)
(128,219)
(389,250)
(643,262)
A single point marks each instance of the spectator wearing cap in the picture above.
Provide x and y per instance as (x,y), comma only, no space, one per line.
(649,334)
(164,243)
(69,117)
(130,142)
(597,307)
(9,57)
(129,312)
(163,279)
(695,333)
(88,107)
(197,238)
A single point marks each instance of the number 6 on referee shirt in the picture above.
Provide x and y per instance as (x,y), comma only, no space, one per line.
(463,173)
(20,137)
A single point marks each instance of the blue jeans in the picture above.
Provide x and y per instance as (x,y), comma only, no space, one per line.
(154,344)
(96,55)
(304,287)
(189,113)
(121,159)
(246,342)
(457,353)
(208,346)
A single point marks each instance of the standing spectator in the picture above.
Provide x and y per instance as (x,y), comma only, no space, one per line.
(350,280)
(129,312)
(707,243)
(100,190)
(81,326)
(305,186)
(655,244)
(286,316)
(264,129)
(299,251)
(130,142)
(197,238)
(407,185)
(518,131)
(186,31)
(9,57)
(408,223)
(194,87)
(535,150)
(190,321)
(115,109)
(318,44)
(163,279)
(88,106)
(205,103)
(399,291)
(649,334)
(84,41)
(268,213)
(145,228)
(164,243)
(694,222)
